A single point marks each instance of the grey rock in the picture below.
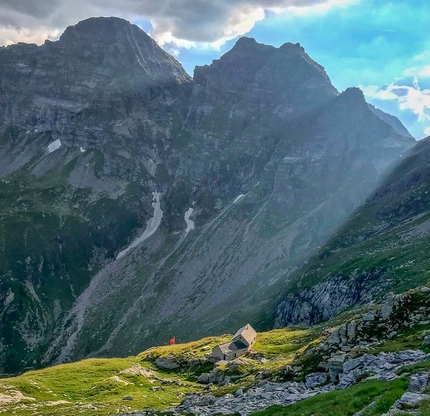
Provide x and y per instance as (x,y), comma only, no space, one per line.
(411,356)
(365,409)
(351,330)
(166,363)
(351,364)
(203,378)
(127,398)
(410,399)
(369,316)
(418,382)
(387,306)
(335,365)
(426,341)
(315,379)
(265,393)
(334,338)
(216,376)
(239,392)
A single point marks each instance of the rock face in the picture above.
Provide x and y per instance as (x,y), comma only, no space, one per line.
(398,312)
(259,150)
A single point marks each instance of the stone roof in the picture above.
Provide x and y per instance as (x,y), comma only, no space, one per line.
(230,346)
(247,332)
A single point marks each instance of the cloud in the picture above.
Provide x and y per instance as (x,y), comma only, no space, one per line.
(407,95)
(181,22)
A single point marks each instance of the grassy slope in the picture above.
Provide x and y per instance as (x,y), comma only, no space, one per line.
(97,386)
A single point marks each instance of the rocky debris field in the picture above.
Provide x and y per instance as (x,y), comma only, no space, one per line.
(342,373)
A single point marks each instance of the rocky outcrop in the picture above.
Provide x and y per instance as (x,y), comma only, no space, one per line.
(398,312)
(327,299)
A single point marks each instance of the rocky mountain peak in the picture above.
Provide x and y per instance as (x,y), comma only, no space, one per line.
(116,43)
(353,94)
(249,45)
(101,29)
(262,80)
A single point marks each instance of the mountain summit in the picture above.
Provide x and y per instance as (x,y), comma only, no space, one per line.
(138,202)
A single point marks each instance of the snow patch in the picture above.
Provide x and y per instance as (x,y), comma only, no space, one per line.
(238,198)
(82,149)
(55,145)
(190,223)
(151,227)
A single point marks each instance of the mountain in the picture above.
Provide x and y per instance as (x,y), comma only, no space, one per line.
(381,248)
(138,203)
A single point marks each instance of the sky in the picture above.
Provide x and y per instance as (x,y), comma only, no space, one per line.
(381,46)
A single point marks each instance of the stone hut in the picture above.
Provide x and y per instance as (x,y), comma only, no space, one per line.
(242,342)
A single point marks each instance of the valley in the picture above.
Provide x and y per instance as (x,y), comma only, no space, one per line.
(139,202)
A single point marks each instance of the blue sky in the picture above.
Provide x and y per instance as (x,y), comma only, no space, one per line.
(380,46)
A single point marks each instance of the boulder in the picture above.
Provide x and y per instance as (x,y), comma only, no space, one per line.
(315,379)
(239,392)
(418,382)
(166,363)
(216,376)
(203,378)
(410,399)
(387,307)
(351,330)
(334,339)
(335,365)
(369,316)
(351,364)
(426,341)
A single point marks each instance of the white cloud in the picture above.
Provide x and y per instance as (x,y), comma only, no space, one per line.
(303,9)
(407,95)
(425,72)
(9,35)
(185,23)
